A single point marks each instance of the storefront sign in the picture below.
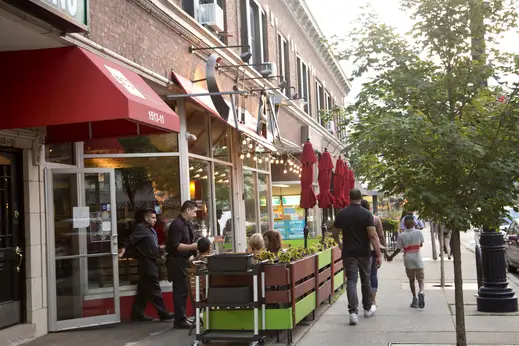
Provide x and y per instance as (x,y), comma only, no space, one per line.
(75,11)
(68,15)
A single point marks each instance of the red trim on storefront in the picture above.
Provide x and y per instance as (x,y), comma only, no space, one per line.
(103,306)
(78,95)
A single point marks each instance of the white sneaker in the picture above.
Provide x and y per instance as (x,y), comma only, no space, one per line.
(371,311)
(354,319)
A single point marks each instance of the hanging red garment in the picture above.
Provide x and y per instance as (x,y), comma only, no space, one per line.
(308,159)
(324,180)
(338,184)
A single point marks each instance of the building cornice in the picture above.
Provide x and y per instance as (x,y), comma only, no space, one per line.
(311,30)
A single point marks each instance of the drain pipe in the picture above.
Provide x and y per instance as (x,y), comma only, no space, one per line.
(83,42)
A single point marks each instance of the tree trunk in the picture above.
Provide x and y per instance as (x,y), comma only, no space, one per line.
(442,248)
(433,240)
(461,334)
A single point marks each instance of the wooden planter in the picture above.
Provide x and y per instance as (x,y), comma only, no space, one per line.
(337,269)
(323,270)
(292,292)
(303,281)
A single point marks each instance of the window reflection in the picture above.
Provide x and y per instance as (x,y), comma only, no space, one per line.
(129,145)
(263,200)
(223,194)
(60,153)
(249,188)
(142,183)
(200,192)
(220,138)
(197,125)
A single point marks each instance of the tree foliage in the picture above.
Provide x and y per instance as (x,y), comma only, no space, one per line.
(429,124)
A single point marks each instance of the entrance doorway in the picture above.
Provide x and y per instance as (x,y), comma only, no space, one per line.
(11,239)
(83,260)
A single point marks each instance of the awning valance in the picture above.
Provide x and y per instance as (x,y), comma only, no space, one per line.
(78,95)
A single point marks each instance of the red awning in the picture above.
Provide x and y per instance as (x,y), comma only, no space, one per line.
(78,95)
(192,88)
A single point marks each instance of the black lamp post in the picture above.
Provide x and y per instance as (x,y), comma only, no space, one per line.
(495,295)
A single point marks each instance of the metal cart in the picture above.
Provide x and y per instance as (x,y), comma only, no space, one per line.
(233,298)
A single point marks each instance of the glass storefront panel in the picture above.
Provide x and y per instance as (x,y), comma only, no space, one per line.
(263,201)
(224,206)
(197,126)
(142,183)
(200,192)
(220,139)
(60,153)
(250,199)
(132,145)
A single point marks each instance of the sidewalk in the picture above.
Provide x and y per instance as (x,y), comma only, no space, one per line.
(396,322)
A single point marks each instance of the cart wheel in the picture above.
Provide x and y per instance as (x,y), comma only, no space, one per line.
(205,342)
(262,341)
(195,343)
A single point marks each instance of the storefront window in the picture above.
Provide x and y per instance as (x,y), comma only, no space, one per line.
(60,153)
(130,145)
(250,198)
(224,207)
(142,183)
(263,200)
(220,138)
(197,126)
(200,192)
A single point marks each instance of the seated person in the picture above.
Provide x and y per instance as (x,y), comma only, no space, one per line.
(273,241)
(256,245)
(204,249)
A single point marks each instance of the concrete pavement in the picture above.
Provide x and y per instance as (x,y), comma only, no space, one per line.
(395,322)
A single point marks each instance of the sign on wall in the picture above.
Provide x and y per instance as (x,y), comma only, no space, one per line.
(71,15)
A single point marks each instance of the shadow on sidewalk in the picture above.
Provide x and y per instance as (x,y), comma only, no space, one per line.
(120,334)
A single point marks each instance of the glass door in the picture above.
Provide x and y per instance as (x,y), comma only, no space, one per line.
(82,238)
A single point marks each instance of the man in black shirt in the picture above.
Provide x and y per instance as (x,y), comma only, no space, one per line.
(358,232)
(180,246)
(144,244)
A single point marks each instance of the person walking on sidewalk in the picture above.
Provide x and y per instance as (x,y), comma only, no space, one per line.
(358,232)
(383,246)
(411,241)
(144,243)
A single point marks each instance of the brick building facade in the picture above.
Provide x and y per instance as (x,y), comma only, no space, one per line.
(65,271)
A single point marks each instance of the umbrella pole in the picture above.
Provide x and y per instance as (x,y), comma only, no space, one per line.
(305,230)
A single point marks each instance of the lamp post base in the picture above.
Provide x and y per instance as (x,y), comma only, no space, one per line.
(494,295)
(487,304)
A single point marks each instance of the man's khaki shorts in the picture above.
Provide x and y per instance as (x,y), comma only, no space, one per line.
(414,274)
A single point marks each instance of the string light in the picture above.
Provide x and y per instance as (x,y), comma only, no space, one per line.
(260,160)
(250,146)
(277,161)
(285,171)
(255,158)
(248,155)
(244,142)
(242,156)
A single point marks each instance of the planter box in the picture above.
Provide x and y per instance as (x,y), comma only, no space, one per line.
(323,285)
(292,292)
(337,269)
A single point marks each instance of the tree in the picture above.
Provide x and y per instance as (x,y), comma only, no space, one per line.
(431,122)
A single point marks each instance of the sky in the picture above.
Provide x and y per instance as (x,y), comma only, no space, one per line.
(337,22)
(334,18)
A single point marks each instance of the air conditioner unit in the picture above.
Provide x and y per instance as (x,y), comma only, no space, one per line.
(330,126)
(211,15)
(270,66)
